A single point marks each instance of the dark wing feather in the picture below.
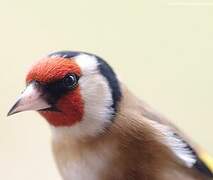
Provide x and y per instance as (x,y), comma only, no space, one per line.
(199,163)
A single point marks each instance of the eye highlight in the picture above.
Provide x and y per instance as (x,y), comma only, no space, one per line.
(70,81)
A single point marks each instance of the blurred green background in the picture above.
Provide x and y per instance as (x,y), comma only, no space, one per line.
(162,49)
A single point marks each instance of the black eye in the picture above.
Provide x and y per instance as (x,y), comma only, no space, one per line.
(70,81)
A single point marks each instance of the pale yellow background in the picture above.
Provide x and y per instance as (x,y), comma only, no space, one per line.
(163,51)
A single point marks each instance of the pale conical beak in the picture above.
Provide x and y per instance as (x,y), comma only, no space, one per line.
(33,98)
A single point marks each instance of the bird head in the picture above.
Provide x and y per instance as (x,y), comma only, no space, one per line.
(71,89)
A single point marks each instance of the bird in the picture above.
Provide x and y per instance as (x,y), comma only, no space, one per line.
(100,129)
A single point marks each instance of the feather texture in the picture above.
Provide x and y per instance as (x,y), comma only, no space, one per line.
(133,147)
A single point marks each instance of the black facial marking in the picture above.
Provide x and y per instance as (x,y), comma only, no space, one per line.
(59,88)
(105,70)
(112,80)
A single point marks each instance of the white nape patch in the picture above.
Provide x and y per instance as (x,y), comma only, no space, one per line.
(97,98)
(177,145)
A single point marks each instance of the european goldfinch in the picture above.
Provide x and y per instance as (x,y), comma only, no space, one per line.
(100,130)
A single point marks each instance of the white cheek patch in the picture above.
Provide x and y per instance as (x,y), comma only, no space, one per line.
(97,98)
(96,94)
